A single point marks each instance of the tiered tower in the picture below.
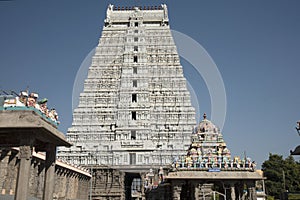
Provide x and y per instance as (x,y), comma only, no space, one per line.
(135,109)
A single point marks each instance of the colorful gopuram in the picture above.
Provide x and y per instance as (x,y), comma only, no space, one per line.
(208,150)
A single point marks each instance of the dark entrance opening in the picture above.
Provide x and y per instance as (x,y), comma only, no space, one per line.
(133,186)
(187,192)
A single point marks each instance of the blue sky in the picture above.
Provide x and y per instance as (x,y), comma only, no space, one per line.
(255,45)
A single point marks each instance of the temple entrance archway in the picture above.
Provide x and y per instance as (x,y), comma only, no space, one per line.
(133,186)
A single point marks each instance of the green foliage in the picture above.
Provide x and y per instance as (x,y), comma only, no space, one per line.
(282,175)
(270,198)
(294,196)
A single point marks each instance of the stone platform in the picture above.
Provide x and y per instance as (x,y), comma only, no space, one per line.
(18,127)
(30,131)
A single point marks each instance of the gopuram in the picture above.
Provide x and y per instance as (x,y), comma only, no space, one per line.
(135,111)
(134,122)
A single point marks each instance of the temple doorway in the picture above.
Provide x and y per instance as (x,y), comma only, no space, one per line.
(133,186)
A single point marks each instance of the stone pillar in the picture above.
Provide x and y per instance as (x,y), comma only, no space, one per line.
(232,191)
(240,190)
(251,191)
(4,162)
(143,175)
(22,188)
(49,172)
(197,191)
(205,191)
(8,172)
(193,185)
(176,189)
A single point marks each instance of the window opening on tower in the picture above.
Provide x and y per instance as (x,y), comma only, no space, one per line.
(133,135)
(134,98)
(133,115)
(134,83)
(134,69)
(132,158)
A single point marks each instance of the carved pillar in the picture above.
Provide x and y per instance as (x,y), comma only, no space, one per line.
(143,175)
(4,161)
(251,190)
(232,191)
(226,188)
(7,171)
(176,189)
(240,190)
(22,188)
(198,191)
(49,172)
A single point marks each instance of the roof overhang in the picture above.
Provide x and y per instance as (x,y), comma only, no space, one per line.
(221,175)
(26,127)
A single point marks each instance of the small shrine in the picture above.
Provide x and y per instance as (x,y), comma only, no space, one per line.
(207,170)
(208,150)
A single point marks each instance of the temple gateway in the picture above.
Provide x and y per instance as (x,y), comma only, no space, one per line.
(134,127)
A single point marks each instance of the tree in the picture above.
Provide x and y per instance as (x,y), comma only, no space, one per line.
(282,175)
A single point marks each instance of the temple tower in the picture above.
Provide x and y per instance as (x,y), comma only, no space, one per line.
(135,110)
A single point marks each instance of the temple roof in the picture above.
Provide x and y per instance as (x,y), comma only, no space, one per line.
(148,14)
(207,126)
(208,150)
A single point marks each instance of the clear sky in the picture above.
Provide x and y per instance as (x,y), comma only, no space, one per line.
(255,45)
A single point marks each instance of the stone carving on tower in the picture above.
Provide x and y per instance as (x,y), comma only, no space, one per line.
(135,109)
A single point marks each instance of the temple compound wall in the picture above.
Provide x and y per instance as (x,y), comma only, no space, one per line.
(107,183)
(177,184)
(70,182)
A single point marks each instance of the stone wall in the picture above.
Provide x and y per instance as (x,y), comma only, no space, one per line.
(107,183)
(70,182)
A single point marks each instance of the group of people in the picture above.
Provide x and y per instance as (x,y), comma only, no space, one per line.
(31,100)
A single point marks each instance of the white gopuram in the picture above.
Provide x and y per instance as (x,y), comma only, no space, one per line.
(135,109)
